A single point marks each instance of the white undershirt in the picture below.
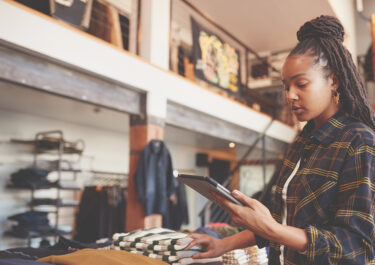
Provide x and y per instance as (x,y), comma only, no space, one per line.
(284,210)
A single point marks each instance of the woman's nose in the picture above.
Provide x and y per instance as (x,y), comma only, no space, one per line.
(291,95)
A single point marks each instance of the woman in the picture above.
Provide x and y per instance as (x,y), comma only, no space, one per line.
(323,200)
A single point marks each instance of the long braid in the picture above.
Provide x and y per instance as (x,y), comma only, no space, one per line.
(322,37)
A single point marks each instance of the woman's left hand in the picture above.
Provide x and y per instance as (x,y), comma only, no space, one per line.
(254,216)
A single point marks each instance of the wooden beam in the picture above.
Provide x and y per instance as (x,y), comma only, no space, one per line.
(41,73)
(181,116)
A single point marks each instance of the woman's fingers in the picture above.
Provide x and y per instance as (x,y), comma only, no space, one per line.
(199,239)
(244,199)
(222,201)
(204,255)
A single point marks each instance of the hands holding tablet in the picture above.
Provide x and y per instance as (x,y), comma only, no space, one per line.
(253,216)
(243,210)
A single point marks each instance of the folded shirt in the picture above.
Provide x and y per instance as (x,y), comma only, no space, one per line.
(132,236)
(187,261)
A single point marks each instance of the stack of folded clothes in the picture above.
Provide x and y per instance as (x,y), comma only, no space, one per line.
(258,255)
(249,256)
(31,178)
(30,223)
(236,257)
(159,243)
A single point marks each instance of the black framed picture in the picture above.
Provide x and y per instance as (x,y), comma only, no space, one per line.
(215,61)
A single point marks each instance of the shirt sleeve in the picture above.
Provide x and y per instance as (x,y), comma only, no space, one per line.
(261,242)
(350,238)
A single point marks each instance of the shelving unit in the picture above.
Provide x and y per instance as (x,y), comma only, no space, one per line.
(47,146)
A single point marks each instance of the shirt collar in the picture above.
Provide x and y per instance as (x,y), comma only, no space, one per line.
(156,146)
(327,133)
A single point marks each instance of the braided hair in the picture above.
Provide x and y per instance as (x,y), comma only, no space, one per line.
(322,38)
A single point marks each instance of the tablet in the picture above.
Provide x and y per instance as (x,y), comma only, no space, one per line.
(204,185)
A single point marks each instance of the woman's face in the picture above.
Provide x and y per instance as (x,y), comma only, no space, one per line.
(309,91)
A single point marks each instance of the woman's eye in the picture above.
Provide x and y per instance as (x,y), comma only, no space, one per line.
(301,85)
(286,88)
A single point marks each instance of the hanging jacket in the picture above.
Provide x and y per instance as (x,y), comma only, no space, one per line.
(154,179)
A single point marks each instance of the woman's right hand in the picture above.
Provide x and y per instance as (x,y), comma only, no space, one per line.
(213,247)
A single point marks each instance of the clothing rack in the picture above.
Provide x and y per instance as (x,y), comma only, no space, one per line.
(107,178)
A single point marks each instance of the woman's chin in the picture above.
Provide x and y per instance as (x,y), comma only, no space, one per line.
(302,118)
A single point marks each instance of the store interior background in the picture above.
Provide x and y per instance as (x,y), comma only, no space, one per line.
(105,131)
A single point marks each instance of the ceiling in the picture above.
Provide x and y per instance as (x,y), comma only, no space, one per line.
(269,25)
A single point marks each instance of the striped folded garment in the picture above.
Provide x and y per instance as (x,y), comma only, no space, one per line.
(249,256)
(159,243)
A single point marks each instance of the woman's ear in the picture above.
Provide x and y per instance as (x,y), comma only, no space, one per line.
(334,82)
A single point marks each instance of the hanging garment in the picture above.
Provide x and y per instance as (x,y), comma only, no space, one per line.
(154,179)
(101,213)
(178,212)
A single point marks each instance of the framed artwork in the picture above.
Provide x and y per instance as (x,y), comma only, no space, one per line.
(215,61)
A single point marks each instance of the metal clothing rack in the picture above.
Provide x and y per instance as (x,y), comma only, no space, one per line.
(53,143)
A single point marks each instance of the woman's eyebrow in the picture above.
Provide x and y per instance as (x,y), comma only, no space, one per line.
(297,75)
(293,77)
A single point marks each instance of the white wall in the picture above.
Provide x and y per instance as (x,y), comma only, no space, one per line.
(363,27)
(345,10)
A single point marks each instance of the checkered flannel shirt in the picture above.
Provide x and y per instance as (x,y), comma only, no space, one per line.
(332,194)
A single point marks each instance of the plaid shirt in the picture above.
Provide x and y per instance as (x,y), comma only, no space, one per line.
(332,194)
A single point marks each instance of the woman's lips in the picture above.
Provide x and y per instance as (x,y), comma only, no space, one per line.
(297,110)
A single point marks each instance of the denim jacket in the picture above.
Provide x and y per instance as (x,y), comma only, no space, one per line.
(154,179)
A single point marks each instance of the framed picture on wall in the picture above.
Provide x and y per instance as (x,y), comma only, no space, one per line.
(215,61)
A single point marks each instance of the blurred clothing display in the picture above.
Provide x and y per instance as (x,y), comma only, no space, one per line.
(30,224)
(101,213)
(31,178)
(64,243)
(154,179)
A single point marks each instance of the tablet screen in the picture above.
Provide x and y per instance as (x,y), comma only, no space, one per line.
(205,185)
